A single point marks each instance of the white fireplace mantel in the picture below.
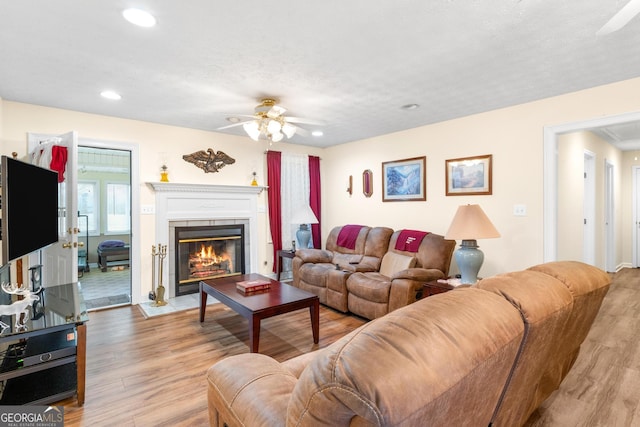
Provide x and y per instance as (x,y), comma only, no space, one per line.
(204,188)
(177,202)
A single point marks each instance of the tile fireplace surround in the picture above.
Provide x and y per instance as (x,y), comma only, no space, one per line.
(185,205)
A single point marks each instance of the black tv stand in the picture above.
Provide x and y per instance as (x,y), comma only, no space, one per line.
(45,361)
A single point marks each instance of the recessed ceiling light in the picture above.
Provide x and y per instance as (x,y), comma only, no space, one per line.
(234,119)
(109,94)
(410,107)
(317,133)
(139,17)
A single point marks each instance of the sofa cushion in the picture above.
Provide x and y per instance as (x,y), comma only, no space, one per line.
(372,286)
(346,259)
(393,262)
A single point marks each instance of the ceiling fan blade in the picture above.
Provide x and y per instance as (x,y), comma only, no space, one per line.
(234,125)
(620,19)
(276,111)
(249,116)
(302,132)
(305,121)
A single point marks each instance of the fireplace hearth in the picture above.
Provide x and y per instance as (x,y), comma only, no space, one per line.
(207,252)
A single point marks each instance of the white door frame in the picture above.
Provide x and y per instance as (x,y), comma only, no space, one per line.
(589,209)
(550,170)
(636,216)
(136,285)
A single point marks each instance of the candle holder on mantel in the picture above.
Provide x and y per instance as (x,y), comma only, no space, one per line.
(164,173)
(254,183)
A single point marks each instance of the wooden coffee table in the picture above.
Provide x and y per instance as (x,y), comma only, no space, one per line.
(280,298)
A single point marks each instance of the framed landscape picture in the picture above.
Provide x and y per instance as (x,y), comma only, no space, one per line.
(404,180)
(468,176)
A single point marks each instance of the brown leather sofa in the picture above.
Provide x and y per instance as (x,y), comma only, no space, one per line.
(324,272)
(479,355)
(401,277)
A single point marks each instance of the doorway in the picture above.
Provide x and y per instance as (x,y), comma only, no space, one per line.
(104,223)
(550,186)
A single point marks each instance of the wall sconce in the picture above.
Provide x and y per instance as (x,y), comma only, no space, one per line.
(367,183)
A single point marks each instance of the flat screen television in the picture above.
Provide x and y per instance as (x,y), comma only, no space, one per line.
(29,208)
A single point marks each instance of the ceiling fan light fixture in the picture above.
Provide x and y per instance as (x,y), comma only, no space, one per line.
(277,137)
(288,129)
(276,111)
(273,127)
(252,129)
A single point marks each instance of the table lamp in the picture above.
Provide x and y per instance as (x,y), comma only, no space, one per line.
(304,216)
(470,223)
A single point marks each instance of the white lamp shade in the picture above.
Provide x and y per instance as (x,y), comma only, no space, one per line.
(288,129)
(304,215)
(252,129)
(277,137)
(273,127)
(471,223)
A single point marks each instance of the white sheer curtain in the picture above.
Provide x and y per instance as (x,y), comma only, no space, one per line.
(294,192)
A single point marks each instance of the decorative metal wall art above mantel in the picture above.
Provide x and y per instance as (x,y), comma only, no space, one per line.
(209,161)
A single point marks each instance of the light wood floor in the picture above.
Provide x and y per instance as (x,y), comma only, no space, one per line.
(603,387)
(151,372)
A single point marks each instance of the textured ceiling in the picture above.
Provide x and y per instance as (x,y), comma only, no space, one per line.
(350,64)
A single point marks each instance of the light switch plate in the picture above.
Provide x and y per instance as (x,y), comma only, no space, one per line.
(520,210)
(147,209)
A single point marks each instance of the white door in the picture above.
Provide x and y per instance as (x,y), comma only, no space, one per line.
(609,219)
(60,260)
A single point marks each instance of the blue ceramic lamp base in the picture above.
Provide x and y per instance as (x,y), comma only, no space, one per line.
(469,259)
(304,236)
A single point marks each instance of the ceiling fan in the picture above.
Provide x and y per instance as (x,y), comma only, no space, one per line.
(270,122)
(620,19)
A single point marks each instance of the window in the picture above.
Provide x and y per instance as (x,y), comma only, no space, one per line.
(89,204)
(118,208)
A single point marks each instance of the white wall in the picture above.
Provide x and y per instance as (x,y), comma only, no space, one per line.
(156,143)
(514,136)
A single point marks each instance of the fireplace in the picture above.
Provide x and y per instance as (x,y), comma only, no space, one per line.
(204,205)
(207,252)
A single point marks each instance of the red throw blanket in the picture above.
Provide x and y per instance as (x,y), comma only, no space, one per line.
(348,236)
(409,240)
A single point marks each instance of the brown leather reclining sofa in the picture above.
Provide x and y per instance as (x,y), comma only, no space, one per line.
(375,272)
(324,272)
(483,355)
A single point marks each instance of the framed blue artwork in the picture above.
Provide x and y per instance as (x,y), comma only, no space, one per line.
(404,180)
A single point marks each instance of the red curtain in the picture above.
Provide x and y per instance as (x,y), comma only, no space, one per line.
(314,198)
(275,210)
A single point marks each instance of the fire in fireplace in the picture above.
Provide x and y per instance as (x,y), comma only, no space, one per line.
(206,252)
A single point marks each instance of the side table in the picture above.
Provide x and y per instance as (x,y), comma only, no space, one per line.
(283,253)
(434,287)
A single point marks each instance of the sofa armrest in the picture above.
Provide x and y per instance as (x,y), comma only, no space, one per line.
(422,275)
(298,364)
(357,268)
(249,389)
(315,256)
